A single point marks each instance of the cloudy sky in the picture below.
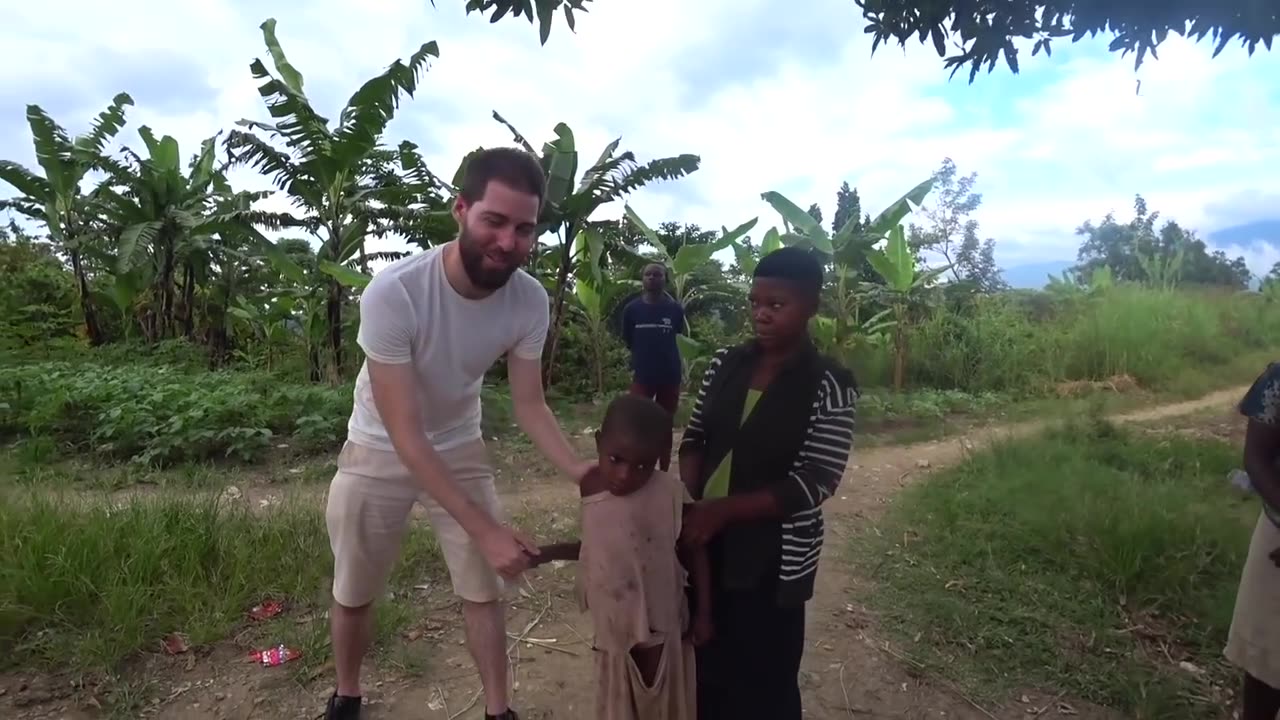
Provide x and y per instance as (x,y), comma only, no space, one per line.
(771,100)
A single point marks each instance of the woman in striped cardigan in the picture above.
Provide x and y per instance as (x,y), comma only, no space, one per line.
(767,444)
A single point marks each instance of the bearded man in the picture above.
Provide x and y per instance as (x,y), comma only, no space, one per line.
(431,325)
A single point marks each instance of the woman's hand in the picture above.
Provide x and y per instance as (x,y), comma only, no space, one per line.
(703,521)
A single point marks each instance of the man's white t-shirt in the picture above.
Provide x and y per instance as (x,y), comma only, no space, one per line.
(409,313)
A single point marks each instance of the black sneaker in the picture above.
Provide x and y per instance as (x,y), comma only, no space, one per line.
(508,715)
(342,707)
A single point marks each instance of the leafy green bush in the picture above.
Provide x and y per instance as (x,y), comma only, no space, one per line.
(1034,562)
(160,415)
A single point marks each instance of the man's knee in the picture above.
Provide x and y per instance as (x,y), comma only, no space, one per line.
(481,606)
(351,610)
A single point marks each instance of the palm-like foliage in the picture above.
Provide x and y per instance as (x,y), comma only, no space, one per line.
(57,199)
(167,222)
(572,199)
(345,186)
(595,296)
(906,286)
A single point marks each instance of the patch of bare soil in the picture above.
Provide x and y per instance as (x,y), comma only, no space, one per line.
(850,669)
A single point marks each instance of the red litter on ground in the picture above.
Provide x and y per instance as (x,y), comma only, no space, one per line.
(266,610)
(278,655)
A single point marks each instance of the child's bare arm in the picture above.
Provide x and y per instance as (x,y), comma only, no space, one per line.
(566,551)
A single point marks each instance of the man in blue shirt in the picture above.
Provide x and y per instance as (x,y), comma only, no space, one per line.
(650,324)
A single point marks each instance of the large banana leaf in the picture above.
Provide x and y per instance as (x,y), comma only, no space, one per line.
(370,109)
(107,125)
(134,239)
(278,258)
(25,182)
(299,125)
(810,229)
(771,242)
(597,169)
(731,237)
(517,136)
(344,274)
(896,263)
(561,163)
(892,216)
(53,153)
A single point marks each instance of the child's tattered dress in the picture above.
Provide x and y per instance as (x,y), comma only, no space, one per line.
(633,585)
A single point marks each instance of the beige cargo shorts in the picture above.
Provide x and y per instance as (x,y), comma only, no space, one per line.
(370,499)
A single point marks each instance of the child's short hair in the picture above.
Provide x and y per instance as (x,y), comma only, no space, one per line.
(639,417)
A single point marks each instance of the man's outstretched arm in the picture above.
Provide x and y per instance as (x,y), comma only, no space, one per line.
(529,405)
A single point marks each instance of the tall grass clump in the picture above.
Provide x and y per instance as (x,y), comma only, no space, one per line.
(1023,344)
(1086,559)
(85,583)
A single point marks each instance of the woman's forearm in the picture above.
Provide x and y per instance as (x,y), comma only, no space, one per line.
(748,507)
(691,471)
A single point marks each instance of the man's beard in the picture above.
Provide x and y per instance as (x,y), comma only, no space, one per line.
(473,264)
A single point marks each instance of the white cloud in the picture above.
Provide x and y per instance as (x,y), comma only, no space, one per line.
(770,99)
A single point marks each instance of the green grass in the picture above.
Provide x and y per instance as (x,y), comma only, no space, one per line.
(86,583)
(1021,344)
(1082,560)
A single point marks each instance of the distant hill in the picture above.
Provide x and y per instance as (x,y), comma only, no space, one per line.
(1034,276)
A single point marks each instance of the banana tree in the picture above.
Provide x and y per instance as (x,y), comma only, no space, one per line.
(849,245)
(595,294)
(1163,270)
(689,258)
(57,199)
(572,199)
(845,330)
(682,266)
(906,286)
(344,184)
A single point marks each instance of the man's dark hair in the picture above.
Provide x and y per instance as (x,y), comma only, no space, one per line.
(510,166)
(796,266)
(639,418)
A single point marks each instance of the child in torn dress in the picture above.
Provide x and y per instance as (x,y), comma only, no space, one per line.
(632,578)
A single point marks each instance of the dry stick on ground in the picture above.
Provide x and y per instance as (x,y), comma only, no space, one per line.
(950,685)
(845,689)
(443,700)
(1051,703)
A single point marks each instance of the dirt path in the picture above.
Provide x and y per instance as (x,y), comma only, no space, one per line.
(849,670)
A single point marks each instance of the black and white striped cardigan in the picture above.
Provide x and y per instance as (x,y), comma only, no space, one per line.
(816,467)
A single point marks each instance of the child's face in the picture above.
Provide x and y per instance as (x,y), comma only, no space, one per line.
(625,464)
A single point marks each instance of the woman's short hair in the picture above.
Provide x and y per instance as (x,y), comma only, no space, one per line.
(798,266)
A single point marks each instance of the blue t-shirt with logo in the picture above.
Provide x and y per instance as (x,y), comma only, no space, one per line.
(649,330)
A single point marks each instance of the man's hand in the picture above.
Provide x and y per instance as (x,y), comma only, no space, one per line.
(509,552)
(703,521)
(1275,556)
